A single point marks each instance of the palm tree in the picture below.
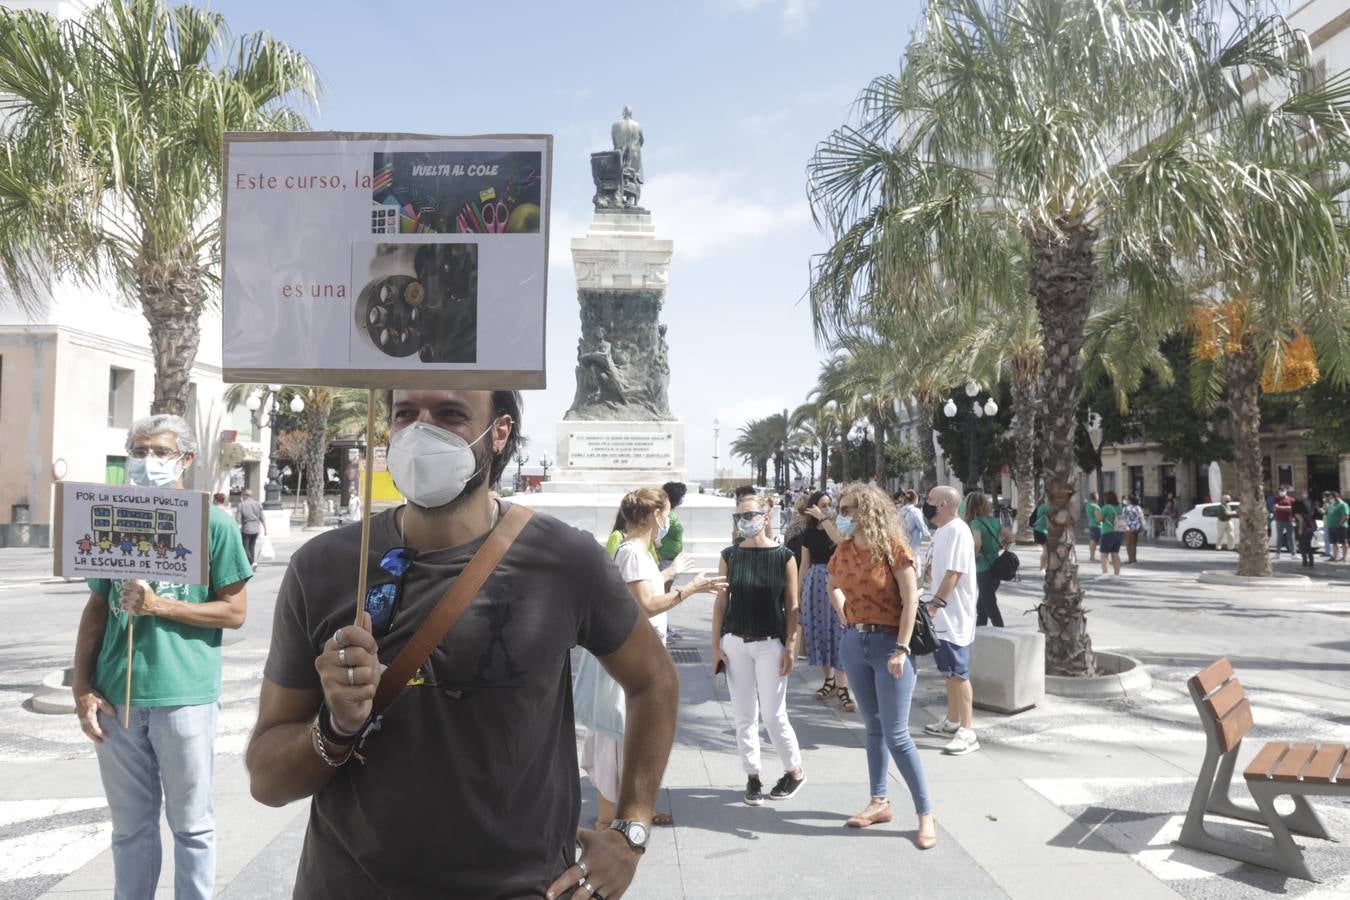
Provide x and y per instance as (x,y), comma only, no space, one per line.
(754,444)
(110,156)
(1082,127)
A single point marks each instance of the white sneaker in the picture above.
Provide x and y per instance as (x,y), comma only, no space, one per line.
(942,727)
(964,742)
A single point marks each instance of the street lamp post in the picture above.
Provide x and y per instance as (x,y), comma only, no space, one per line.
(977,411)
(521,459)
(272,489)
(545,462)
(717,427)
(810,454)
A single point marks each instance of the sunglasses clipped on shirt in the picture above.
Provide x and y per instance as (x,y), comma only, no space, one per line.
(382,599)
(745,516)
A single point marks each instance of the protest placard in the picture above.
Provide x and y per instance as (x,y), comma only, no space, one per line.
(381,260)
(124,532)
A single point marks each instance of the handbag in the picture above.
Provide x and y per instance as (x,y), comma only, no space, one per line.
(923,640)
(1006,566)
(447,611)
(266,552)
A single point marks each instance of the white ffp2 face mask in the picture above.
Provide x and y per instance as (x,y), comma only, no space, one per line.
(431,466)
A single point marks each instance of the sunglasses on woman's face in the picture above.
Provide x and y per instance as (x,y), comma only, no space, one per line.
(746,516)
(382,599)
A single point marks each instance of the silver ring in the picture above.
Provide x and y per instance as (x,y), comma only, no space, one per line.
(342,655)
(585,869)
(351,677)
(587,886)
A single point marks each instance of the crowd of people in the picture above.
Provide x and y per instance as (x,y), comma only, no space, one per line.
(433,726)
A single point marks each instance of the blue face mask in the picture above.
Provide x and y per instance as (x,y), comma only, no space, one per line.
(845,524)
(663,530)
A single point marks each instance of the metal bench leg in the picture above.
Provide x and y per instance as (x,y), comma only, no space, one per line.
(1304,819)
(1289,858)
(1221,801)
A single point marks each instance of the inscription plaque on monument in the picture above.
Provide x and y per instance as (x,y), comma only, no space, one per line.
(620,450)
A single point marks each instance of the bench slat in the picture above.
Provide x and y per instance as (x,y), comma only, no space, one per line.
(1223,700)
(1292,765)
(1234,726)
(1324,764)
(1213,675)
(1343,777)
(1259,768)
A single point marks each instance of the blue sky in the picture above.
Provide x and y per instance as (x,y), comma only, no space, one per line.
(732,95)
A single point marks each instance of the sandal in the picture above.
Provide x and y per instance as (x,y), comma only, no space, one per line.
(826,689)
(662,819)
(880,816)
(845,701)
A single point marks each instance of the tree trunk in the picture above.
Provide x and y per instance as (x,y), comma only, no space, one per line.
(1062,268)
(879,456)
(316,427)
(927,409)
(300,484)
(172,298)
(843,453)
(1025,377)
(1244,388)
(824,462)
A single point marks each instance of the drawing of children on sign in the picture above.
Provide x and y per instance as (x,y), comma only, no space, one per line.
(143,547)
(126,546)
(181,552)
(161,551)
(105,545)
(85,544)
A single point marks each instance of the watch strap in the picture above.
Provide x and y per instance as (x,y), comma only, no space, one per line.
(623,826)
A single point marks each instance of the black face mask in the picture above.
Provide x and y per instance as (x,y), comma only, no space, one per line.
(929,511)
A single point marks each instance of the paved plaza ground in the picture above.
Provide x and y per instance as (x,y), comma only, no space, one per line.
(1071,799)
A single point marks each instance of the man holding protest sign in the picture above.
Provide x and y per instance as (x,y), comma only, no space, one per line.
(166,746)
(465,785)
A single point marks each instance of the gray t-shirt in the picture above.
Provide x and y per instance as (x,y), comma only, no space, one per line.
(470,788)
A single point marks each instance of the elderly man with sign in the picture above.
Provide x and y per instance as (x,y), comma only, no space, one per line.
(161,741)
(440,748)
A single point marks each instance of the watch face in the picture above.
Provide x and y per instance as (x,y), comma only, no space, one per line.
(637,834)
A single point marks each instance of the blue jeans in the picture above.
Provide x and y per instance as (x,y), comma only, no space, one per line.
(1284,536)
(167,751)
(883,702)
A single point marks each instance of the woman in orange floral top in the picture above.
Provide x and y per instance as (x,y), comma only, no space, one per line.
(875,592)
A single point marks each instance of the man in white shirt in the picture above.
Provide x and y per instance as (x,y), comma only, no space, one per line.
(953,610)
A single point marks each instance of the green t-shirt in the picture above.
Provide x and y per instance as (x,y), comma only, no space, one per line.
(1040,521)
(172,664)
(1109,514)
(990,529)
(673,544)
(1336,514)
(1092,509)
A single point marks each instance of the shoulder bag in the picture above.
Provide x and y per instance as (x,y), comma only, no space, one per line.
(923,640)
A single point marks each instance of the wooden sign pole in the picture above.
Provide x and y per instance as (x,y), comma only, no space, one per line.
(365,507)
(131,637)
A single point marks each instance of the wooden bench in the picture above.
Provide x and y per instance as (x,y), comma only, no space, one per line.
(1303,769)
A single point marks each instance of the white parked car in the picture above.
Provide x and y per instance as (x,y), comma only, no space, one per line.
(1199,528)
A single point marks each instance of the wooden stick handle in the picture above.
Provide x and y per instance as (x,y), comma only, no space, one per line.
(365,507)
(131,638)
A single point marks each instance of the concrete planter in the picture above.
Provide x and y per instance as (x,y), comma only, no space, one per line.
(1007,669)
(1118,677)
(54,697)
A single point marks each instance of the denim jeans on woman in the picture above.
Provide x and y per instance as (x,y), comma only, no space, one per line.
(168,752)
(883,703)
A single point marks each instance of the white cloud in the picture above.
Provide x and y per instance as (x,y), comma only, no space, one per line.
(794,13)
(705,212)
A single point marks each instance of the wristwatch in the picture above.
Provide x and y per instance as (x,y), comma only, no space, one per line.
(899,647)
(635,833)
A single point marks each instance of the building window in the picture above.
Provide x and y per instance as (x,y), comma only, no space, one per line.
(120,399)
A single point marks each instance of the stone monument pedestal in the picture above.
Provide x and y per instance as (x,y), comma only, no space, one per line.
(616,457)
